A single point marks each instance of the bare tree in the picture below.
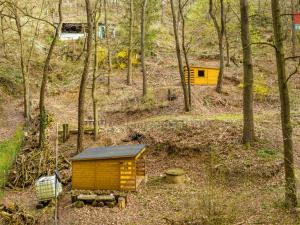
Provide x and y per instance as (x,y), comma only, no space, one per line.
(97,15)
(248,129)
(84,78)
(129,72)
(294,36)
(180,63)
(2,18)
(143,14)
(43,113)
(221,33)
(15,11)
(25,75)
(185,50)
(287,130)
(107,37)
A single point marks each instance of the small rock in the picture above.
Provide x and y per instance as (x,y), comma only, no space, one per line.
(95,204)
(79,204)
(101,204)
(39,206)
(111,204)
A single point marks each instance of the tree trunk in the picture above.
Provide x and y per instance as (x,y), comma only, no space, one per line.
(43,113)
(143,14)
(162,17)
(248,129)
(3,36)
(185,53)
(23,70)
(129,72)
(107,37)
(287,131)
(180,64)
(85,73)
(95,73)
(220,31)
(294,37)
(227,47)
(221,49)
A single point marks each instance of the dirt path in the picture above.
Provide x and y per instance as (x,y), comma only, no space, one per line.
(10,117)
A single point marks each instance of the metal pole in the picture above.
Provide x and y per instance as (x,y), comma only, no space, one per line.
(56,163)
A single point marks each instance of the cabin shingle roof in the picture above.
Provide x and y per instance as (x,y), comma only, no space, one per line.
(125,151)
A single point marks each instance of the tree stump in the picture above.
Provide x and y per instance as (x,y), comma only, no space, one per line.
(110,204)
(171,96)
(175,176)
(121,203)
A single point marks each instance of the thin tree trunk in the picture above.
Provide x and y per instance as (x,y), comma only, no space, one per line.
(294,37)
(107,37)
(180,64)
(31,49)
(43,113)
(95,73)
(129,72)
(220,31)
(23,70)
(248,129)
(85,73)
(162,17)
(227,47)
(287,130)
(143,14)
(3,36)
(185,53)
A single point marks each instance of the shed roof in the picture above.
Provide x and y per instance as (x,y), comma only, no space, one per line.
(205,67)
(126,151)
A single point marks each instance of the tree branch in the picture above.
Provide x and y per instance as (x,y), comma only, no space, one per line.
(292,57)
(291,75)
(264,43)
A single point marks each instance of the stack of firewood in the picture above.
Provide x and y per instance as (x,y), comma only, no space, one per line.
(14,214)
(33,162)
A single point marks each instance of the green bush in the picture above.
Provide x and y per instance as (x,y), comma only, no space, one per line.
(266,153)
(8,152)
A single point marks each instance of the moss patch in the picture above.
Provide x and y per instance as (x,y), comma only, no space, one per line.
(8,151)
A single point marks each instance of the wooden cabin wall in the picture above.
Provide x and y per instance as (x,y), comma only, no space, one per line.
(83,175)
(105,174)
(128,175)
(96,175)
(210,78)
(141,167)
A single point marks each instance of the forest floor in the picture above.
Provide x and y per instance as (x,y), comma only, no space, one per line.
(227,182)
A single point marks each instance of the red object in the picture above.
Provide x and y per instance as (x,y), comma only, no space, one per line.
(297,18)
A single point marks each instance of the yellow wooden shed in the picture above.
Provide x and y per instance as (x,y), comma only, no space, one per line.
(109,168)
(202,75)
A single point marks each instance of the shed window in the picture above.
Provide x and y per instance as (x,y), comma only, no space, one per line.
(201,73)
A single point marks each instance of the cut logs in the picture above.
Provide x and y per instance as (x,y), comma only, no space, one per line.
(14,214)
(175,176)
(33,162)
(99,200)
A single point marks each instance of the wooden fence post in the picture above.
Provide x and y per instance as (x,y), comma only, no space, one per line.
(66,133)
